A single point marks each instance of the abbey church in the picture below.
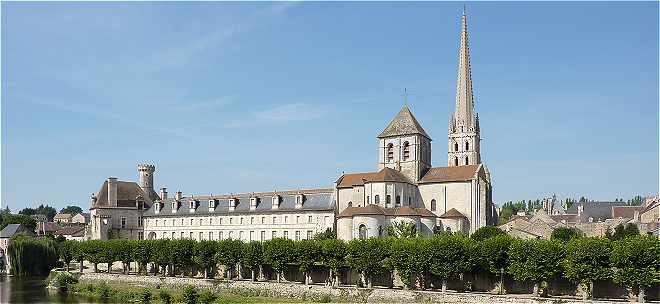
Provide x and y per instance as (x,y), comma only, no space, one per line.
(405,188)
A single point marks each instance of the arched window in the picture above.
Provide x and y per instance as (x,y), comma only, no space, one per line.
(376,199)
(350,204)
(390,153)
(398,201)
(388,200)
(455,161)
(466,161)
(362,230)
(432,205)
(406,150)
(455,146)
(467,146)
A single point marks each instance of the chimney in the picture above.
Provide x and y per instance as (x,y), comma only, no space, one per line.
(163,193)
(178,196)
(112,191)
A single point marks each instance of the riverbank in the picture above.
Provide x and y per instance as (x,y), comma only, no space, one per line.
(254,292)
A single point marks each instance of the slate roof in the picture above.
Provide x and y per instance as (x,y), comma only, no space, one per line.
(449,174)
(13,229)
(372,209)
(596,210)
(384,175)
(127,192)
(48,226)
(313,200)
(404,123)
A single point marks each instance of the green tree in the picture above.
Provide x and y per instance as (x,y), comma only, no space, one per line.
(535,261)
(622,231)
(333,254)
(486,232)
(252,257)
(66,252)
(71,209)
(565,234)
(203,255)
(141,253)
(409,259)
(635,201)
(124,253)
(79,254)
(494,256)
(25,220)
(93,252)
(636,262)
(182,252)
(368,256)
(449,256)
(277,253)
(401,229)
(307,252)
(31,256)
(588,260)
(190,295)
(327,234)
(161,255)
(228,254)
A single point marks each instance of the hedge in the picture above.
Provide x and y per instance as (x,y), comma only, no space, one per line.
(633,262)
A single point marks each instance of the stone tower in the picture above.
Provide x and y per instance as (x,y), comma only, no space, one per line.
(146,181)
(404,146)
(464,138)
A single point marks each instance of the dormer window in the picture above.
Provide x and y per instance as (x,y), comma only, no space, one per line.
(276,201)
(253,203)
(175,206)
(212,204)
(157,207)
(300,198)
(193,205)
(232,204)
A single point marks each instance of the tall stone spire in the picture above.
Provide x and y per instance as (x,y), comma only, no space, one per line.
(464,138)
(464,113)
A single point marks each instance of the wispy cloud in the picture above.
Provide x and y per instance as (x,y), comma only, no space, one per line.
(281,114)
(206,105)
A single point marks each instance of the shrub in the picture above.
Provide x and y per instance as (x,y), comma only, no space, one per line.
(189,295)
(164,297)
(486,232)
(622,232)
(63,281)
(206,297)
(146,296)
(565,234)
(103,290)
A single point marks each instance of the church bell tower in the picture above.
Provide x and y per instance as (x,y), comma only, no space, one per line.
(464,139)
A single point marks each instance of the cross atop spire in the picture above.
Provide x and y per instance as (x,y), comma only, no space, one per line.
(464,112)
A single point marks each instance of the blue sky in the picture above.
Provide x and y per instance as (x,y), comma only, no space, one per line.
(233,97)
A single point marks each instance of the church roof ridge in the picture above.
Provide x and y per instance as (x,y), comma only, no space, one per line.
(404,123)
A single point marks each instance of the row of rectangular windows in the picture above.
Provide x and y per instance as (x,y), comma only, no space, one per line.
(230,235)
(210,221)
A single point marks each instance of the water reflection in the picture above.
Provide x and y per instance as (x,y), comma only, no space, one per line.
(33,290)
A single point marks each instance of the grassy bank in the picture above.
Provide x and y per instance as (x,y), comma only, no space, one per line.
(125,293)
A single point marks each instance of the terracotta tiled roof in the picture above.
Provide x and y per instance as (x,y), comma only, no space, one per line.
(359,179)
(70,230)
(404,123)
(625,211)
(449,174)
(452,213)
(379,210)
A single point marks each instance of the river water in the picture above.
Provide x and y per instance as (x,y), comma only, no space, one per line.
(33,290)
